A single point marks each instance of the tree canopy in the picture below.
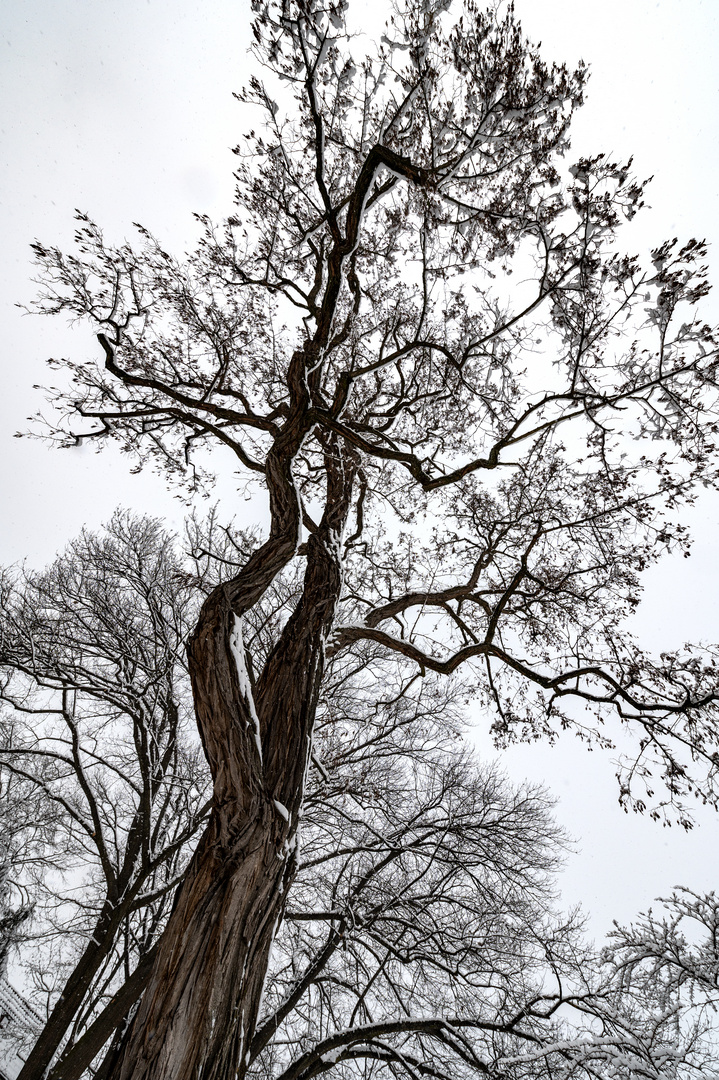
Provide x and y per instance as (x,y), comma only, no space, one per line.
(522,452)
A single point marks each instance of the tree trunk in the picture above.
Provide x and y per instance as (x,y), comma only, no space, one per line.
(199,1011)
(204,995)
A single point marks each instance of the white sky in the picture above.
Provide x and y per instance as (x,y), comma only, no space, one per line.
(125,110)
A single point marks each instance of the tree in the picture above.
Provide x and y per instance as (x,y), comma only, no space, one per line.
(418,935)
(674,954)
(469,472)
(15,904)
(96,711)
(678,949)
(421,875)
(27,823)
(11,917)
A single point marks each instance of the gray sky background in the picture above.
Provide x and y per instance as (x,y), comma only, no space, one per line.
(126,111)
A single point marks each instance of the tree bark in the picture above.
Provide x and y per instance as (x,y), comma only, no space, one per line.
(204,994)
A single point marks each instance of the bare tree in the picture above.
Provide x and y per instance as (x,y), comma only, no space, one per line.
(468,472)
(671,956)
(12,915)
(97,708)
(420,935)
(26,830)
(22,833)
(675,948)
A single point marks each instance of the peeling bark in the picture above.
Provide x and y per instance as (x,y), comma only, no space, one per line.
(205,991)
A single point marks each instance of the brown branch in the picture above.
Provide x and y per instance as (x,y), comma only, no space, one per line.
(617,696)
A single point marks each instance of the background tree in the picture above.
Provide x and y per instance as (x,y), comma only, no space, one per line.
(27,830)
(420,934)
(95,725)
(23,828)
(452,459)
(423,880)
(11,916)
(672,955)
(675,948)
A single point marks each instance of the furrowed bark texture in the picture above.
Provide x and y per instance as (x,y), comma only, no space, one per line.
(199,1010)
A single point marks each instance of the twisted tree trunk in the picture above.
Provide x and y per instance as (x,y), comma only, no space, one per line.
(204,994)
(199,1010)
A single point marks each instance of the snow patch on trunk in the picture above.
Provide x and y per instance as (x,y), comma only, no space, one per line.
(237,647)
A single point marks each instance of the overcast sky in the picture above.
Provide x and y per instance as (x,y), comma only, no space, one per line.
(126,111)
